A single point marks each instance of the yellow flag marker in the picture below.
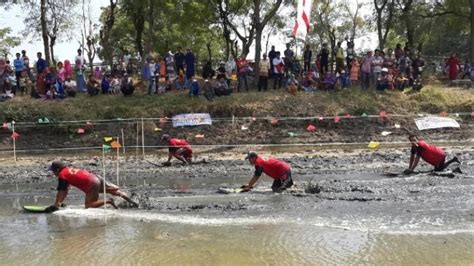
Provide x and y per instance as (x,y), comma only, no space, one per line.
(374,145)
(157,129)
(107,139)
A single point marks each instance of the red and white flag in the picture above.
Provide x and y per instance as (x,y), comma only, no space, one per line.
(301,27)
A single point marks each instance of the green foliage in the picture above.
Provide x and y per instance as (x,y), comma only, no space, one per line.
(7,41)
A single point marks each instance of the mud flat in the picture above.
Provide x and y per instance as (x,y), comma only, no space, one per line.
(344,210)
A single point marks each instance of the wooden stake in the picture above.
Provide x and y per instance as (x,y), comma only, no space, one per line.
(136,146)
(143,139)
(118,162)
(123,142)
(14,141)
(103,178)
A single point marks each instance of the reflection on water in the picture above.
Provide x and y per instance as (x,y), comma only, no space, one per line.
(151,238)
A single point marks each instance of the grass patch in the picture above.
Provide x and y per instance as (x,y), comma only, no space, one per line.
(432,99)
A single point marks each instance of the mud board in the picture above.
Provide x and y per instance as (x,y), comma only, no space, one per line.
(226,190)
(35,208)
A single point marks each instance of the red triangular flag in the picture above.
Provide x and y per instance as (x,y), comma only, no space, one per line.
(383,114)
(337,119)
(80,131)
(443,114)
(311,128)
(5,125)
(15,135)
(274,121)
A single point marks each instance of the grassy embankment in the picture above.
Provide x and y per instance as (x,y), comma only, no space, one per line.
(429,100)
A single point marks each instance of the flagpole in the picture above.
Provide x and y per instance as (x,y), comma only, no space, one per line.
(143,139)
(123,142)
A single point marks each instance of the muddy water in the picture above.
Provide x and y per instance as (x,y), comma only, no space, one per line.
(358,216)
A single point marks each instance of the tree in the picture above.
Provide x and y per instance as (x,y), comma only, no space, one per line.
(108,21)
(135,10)
(53,20)
(384,11)
(89,38)
(270,9)
(7,41)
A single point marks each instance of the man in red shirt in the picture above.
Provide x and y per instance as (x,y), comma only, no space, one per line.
(276,169)
(178,148)
(85,181)
(429,153)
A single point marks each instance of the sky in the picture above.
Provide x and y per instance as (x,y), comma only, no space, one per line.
(14,16)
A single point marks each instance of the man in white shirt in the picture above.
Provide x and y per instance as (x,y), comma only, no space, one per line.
(278,70)
(263,73)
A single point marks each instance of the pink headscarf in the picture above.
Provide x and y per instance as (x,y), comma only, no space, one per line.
(67,69)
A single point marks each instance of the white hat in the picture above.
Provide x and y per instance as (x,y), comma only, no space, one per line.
(206,80)
(384,69)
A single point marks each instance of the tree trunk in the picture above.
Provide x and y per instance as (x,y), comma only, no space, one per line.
(209,52)
(258,36)
(51,45)
(44,32)
(151,25)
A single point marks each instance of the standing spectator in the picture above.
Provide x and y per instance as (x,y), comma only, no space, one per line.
(126,60)
(289,60)
(417,65)
(324,59)
(339,53)
(467,68)
(19,67)
(278,70)
(377,63)
(170,66)
(40,75)
(350,53)
(221,71)
(307,58)
(366,70)
(207,71)
(271,56)
(230,67)
(264,68)
(179,58)
(189,60)
(454,65)
(355,70)
(398,52)
(27,68)
(242,70)
(79,68)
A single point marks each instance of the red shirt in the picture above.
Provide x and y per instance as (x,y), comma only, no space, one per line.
(81,179)
(430,153)
(274,168)
(179,143)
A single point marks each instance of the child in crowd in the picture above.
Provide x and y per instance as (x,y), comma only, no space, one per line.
(233,81)
(115,85)
(307,83)
(329,81)
(292,84)
(344,80)
(355,70)
(194,90)
(208,91)
(92,86)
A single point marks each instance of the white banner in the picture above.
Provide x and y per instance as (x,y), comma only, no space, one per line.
(435,122)
(182,120)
